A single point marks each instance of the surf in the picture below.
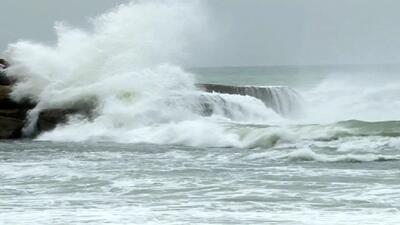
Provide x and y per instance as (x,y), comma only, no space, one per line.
(125,67)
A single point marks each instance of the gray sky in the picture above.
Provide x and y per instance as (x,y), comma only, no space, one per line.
(247,32)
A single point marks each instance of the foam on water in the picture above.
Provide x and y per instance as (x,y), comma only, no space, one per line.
(357,96)
(124,66)
(325,166)
(283,100)
(83,183)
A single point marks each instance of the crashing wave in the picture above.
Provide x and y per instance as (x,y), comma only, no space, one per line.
(281,99)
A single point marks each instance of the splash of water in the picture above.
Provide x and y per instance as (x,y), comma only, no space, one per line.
(355,96)
(124,67)
(283,100)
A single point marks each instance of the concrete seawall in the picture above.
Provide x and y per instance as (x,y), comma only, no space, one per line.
(13,115)
(283,100)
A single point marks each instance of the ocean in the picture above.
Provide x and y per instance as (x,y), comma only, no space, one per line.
(345,172)
(299,145)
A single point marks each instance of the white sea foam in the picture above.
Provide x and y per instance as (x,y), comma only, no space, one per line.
(296,172)
(306,154)
(124,65)
(360,96)
(309,155)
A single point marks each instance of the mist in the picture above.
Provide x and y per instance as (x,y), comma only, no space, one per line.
(257,32)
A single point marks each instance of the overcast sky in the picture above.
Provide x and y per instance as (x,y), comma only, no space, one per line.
(250,32)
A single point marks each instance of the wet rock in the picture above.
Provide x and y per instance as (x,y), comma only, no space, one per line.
(4,64)
(50,118)
(12,115)
(283,100)
(10,127)
(4,80)
(219,88)
(4,92)
(7,103)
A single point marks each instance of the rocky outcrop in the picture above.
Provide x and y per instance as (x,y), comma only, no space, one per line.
(4,92)
(283,100)
(50,118)
(3,64)
(4,80)
(10,127)
(5,101)
(12,115)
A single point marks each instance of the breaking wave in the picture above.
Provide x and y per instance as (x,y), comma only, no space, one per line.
(125,67)
(304,155)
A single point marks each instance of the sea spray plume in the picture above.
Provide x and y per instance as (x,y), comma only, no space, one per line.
(118,55)
(123,65)
(130,38)
(355,96)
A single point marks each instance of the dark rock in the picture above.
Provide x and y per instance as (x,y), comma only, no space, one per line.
(10,127)
(7,103)
(4,80)
(50,118)
(219,88)
(4,92)
(12,115)
(4,64)
(283,100)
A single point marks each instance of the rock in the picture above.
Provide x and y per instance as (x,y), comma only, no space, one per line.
(4,64)
(12,115)
(4,80)
(219,88)
(4,92)
(283,100)
(50,118)
(7,103)
(10,128)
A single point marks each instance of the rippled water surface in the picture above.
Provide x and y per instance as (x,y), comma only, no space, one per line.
(320,145)
(65,183)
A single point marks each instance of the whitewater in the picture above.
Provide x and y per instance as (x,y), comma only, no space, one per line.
(281,145)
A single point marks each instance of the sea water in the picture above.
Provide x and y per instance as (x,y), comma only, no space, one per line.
(346,172)
(151,155)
